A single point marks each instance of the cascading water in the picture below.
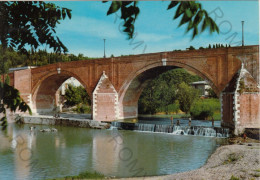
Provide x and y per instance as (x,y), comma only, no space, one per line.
(177,130)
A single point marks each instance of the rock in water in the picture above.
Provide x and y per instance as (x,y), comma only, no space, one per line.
(54,130)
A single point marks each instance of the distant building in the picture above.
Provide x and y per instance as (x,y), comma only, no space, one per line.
(202,86)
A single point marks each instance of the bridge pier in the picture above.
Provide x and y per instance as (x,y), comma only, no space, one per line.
(105,105)
(240,102)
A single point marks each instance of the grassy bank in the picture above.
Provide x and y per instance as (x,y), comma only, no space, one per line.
(202,109)
(83,175)
(216,115)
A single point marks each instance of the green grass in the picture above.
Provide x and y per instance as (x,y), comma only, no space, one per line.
(176,116)
(234,178)
(212,105)
(84,175)
(232,158)
(217,116)
(205,109)
(256,175)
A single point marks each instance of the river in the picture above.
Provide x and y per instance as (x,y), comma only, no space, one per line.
(26,154)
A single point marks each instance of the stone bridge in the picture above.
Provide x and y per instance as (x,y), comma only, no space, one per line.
(115,84)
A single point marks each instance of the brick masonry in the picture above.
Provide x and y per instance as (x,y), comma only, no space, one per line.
(127,76)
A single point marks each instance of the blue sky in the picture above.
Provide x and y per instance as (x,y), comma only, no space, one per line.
(156,31)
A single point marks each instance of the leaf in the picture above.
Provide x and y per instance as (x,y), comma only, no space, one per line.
(184,20)
(204,24)
(195,32)
(190,26)
(115,6)
(68,13)
(63,13)
(198,18)
(188,13)
(179,11)
(172,4)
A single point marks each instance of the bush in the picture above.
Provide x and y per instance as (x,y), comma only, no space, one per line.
(84,175)
(82,108)
(174,107)
(75,95)
(203,109)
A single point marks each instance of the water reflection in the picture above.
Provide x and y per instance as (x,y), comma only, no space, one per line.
(105,153)
(36,155)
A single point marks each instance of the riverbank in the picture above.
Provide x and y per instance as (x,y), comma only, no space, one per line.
(216,116)
(229,162)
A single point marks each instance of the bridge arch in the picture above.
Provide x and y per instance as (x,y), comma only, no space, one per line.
(136,82)
(45,95)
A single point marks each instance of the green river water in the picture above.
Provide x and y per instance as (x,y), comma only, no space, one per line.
(37,155)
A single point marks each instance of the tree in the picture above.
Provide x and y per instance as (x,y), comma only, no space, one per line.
(161,91)
(26,23)
(211,93)
(191,48)
(149,100)
(10,98)
(187,96)
(76,95)
(31,23)
(191,12)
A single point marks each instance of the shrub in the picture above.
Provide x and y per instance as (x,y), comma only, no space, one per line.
(234,178)
(203,109)
(84,175)
(175,107)
(82,108)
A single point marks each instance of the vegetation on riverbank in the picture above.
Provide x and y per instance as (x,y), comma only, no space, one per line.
(78,98)
(84,175)
(171,94)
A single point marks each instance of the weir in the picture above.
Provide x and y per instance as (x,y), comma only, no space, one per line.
(173,129)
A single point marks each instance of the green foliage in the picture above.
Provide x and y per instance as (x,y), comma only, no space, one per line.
(234,178)
(187,96)
(129,13)
(10,98)
(204,108)
(13,58)
(31,23)
(25,23)
(85,175)
(76,95)
(160,93)
(175,107)
(191,13)
(7,79)
(83,108)
(211,93)
(149,100)
(191,48)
